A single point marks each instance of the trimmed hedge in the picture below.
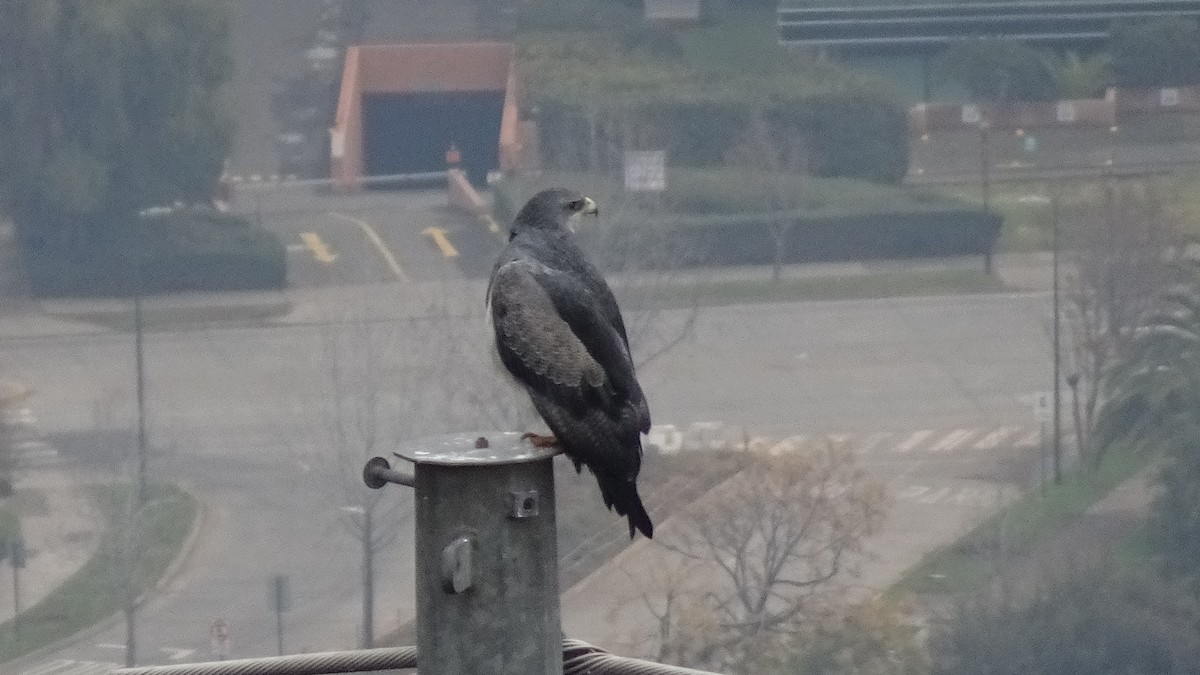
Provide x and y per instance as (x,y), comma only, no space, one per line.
(719,218)
(831,238)
(185,249)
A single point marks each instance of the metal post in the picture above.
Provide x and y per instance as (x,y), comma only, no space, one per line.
(140,367)
(17,559)
(368,572)
(1056,412)
(985,184)
(487,556)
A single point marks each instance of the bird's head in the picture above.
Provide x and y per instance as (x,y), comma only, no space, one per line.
(553,209)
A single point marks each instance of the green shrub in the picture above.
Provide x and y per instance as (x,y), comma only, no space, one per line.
(592,99)
(851,134)
(719,217)
(188,249)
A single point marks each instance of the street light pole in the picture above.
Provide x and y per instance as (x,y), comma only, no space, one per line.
(985,183)
(140,367)
(1057,329)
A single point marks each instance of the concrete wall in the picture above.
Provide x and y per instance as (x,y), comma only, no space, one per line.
(1118,104)
(451,67)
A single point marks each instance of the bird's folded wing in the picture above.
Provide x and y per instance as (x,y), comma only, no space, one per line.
(551,336)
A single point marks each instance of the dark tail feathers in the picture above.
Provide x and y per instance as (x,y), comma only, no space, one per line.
(621,495)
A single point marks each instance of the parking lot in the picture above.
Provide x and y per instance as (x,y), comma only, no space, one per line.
(398,236)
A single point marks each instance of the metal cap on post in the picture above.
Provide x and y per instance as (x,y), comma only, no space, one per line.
(487,556)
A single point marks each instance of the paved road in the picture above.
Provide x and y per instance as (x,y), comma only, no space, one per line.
(241,415)
(377,237)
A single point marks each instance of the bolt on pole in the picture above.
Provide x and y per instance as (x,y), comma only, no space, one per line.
(487,555)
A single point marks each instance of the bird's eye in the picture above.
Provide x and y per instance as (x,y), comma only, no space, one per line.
(576,205)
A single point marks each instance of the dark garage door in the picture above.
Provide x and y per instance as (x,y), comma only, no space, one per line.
(409,133)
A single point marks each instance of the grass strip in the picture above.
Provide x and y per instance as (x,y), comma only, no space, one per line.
(709,292)
(969,562)
(93,593)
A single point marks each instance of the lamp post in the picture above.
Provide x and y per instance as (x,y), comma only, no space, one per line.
(1057,338)
(140,374)
(985,185)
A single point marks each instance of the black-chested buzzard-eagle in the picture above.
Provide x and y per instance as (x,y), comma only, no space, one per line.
(559,332)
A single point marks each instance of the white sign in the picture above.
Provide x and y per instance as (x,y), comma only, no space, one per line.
(1065,111)
(1041,407)
(1168,97)
(645,170)
(337,143)
(971,114)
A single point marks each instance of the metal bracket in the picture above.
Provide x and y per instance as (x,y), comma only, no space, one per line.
(524,504)
(377,473)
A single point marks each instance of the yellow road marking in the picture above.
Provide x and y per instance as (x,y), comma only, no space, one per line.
(320,250)
(377,242)
(439,238)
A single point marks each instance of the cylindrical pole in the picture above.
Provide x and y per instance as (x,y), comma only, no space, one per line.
(487,557)
(140,375)
(368,573)
(1057,330)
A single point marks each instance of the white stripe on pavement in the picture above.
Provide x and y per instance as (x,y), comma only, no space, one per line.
(952,440)
(914,439)
(871,440)
(995,438)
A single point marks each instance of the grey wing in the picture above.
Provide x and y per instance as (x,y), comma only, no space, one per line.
(538,345)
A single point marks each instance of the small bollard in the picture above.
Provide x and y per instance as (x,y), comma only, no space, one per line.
(487,556)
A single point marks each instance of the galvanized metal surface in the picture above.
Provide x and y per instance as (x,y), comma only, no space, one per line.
(487,561)
(475,450)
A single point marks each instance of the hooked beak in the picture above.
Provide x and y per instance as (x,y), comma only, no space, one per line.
(590,206)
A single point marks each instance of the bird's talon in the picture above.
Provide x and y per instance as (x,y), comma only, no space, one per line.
(540,441)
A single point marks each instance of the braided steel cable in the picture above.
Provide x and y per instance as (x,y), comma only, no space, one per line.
(321,663)
(579,658)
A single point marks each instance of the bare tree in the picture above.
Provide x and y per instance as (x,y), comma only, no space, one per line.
(746,570)
(1118,246)
(384,382)
(778,163)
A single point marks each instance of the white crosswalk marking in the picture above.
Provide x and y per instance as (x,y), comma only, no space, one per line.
(914,439)
(871,440)
(952,440)
(1030,440)
(790,444)
(936,496)
(70,667)
(993,440)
